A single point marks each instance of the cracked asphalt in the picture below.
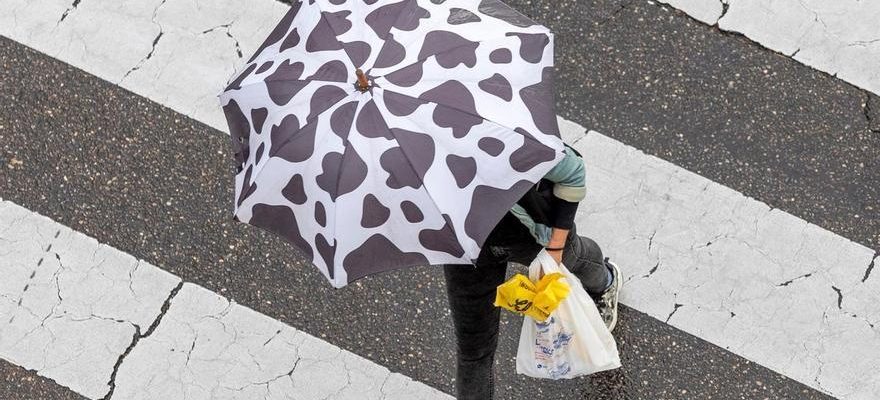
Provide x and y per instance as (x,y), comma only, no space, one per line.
(125,174)
(712,102)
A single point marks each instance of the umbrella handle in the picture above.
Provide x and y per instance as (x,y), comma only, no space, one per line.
(362,84)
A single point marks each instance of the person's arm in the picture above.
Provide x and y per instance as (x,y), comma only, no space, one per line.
(569,188)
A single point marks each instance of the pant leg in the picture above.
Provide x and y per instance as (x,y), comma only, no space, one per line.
(471,292)
(583,257)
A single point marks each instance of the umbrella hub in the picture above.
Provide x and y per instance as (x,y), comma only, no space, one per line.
(362,84)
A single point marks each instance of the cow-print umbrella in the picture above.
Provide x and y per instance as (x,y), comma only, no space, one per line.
(377,134)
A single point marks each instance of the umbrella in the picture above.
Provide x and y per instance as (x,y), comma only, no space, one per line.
(376,134)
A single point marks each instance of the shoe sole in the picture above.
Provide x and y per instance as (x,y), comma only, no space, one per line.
(617,285)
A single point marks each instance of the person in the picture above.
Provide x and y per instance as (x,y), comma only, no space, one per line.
(542,218)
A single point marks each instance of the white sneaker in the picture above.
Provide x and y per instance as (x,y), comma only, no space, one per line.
(607,303)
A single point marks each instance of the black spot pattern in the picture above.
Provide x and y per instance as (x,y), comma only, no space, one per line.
(332,71)
(239,130)
(400,105)
(281,221)
(449,49)
(443,239)
(358,51)
(532,46)
(464,169)
(322,38)
(531,153)
(327,252)
(279,31)
(281,132)
(342,118)
(541,103)
(463,116)
(418,147)
(258,115)
(375,252)
(488,205)
(401,172)
(374,212)
(406,76)
(501,56)
(283,84)
(247,187)
(296,146)
(392,53)
(338,21)
(411,212)
(324,98)
(404,15)
(459,16)
(320,214)
(491,146)
(265,67)
(497,85)
(294,191)
(291,40)
(335,183)
(370,122)
(259,156)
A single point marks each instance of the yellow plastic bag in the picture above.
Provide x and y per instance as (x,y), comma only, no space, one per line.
(520,295)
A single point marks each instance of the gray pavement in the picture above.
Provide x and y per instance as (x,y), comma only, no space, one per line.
(719,105)
(124,172)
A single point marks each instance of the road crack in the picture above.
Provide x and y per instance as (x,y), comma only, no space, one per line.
(137,337)
(677,306)
(227,30)
(788,282)
(68,10)
(871,265)
(155,43)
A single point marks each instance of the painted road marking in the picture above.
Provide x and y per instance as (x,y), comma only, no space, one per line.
(724,267)
(101,322)
(841,38)
(760,282)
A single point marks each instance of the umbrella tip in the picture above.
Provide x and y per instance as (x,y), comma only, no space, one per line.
(362,83)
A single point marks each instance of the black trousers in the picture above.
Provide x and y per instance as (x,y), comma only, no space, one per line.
(471,291)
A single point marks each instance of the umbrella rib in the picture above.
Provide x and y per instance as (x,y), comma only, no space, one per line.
(454,108)
(335,34)
(308,122)
(455,235)
(263,81)
(347,144)
(422,59)
(528,136)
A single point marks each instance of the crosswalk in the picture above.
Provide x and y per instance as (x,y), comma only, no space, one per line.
(105,324)
(763,284)
(839,38)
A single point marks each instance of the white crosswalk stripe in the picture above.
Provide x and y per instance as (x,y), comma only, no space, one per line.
(758,281)
(841,38)
(85,314)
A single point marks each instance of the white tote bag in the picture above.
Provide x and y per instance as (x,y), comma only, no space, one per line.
(573,342)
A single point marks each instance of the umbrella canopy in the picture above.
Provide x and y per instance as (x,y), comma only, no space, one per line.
(377,134)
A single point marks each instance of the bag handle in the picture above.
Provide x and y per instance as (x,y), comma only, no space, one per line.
(543,261)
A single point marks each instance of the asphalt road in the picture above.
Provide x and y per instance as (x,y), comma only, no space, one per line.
(149,181)
(153,183)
